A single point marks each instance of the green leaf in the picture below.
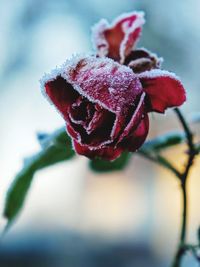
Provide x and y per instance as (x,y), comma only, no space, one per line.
(120,163)
(57,148)
(164,141)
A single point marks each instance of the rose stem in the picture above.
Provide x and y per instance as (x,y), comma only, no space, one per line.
(192,152)
(183,178)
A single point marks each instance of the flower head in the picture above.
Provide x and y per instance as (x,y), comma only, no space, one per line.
(105,99)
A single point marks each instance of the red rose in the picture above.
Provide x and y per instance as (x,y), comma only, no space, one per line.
(105,104)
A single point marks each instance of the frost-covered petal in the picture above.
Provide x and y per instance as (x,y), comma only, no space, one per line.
(101,81)
(135,141)
(60,93)
(163,89)
(117,40)
(140,60)
(107,153)
(135,119)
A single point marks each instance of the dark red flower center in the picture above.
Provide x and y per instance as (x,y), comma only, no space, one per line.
(90,119)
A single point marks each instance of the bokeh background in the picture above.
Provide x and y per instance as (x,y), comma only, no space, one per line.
(73,217)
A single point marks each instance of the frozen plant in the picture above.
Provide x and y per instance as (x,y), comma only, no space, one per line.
(105,100)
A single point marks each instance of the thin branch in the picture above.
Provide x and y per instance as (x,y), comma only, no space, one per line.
(158,159)
(191,155)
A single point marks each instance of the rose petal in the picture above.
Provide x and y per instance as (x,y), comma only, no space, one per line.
(141,60)
(61,94)
(99,137)
(117,40)
(104,82)
(138,137)
(108,153)
(163,89)
(98,120)
(135,119)
(72,132)
(101,81)
(81,112)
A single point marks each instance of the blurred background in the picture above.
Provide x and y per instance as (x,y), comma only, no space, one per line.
(73,217)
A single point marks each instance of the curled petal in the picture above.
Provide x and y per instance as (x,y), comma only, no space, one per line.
(117,40)
(163,90)
(107,153)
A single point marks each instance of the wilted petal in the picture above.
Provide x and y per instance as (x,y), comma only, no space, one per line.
(117,40)
(163,89)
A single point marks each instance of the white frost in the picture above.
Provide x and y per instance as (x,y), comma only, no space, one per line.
(98,38)
(156,73)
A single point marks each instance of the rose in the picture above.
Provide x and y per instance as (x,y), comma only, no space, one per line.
(102,103)
(105,104)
